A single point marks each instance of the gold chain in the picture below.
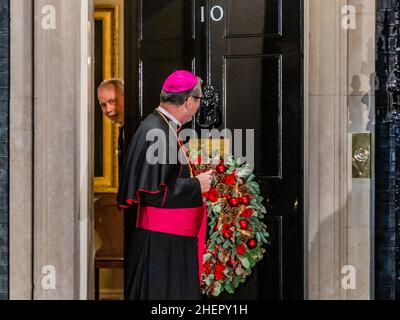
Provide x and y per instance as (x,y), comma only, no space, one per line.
(181,146)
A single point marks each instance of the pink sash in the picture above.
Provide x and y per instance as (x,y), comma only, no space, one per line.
(191,222)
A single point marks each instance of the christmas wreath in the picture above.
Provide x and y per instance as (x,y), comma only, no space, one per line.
(236,231)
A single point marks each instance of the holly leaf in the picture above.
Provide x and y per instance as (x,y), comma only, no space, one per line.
(206,257)
(229,161)
(226,244)
(217,289)
(244,171)
(235,282)
(216,207)
(228,287)
(252,261)
(215,235)
(245,262)
(209,279)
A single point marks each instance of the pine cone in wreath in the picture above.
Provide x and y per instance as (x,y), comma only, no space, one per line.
(234,211)
(220,188)
(225,207)
(220,177)
(226,218)
(243,190)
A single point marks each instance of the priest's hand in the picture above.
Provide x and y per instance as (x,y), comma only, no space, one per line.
(205,180)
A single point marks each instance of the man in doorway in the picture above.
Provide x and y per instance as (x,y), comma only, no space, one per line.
(166,248)
(111,98)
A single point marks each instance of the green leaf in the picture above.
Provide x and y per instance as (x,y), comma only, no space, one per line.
(245,262)
(244,171)
(206,257)
(229,160)
(227,243)
(216,207)
(214,235)
(253,188)
(263,224)
(235,282)
(250,178)
(209,279)
(228,287)
(263,238)
(217,289)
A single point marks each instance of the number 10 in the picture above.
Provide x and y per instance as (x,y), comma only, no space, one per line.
(216,13)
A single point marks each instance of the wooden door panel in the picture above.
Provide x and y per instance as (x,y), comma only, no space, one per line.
(256,106)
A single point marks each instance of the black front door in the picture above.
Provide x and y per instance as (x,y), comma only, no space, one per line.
(250,50)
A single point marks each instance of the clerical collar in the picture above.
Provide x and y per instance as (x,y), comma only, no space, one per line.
(170,116)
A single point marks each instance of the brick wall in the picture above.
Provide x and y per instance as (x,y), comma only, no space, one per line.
(4,148)
(385,243)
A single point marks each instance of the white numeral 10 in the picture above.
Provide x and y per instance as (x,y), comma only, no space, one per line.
(216,13)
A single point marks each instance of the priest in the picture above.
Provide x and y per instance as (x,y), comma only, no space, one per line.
(164,254)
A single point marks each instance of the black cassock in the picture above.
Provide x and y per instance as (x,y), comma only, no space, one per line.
(158,266)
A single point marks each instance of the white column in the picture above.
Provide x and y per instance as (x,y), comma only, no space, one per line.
(337,207)
(21,150)
(60,150)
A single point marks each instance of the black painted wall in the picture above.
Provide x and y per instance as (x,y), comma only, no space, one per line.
(4,147)
(385,243)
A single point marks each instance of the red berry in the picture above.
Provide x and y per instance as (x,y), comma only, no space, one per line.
(252,243)
(245,200)
(216,246)
(228,196)
(221,169)
(231,262)
(213,252)
(243,224)
(216,228)
(234,202)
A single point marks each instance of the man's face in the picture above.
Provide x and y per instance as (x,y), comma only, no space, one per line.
(112,103)
(192,105)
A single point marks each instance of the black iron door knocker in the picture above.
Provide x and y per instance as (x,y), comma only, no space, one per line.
(209,115)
